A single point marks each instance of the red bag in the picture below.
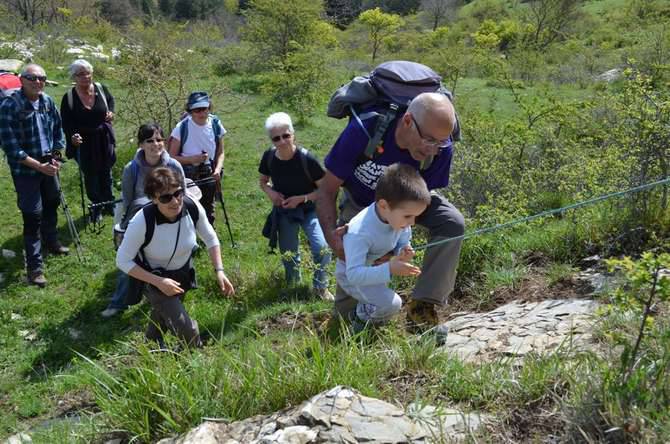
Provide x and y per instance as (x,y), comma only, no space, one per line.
(8,84)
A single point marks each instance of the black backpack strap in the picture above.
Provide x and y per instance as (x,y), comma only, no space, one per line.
(149,211)
(192,209)
(302,153)
(380,128)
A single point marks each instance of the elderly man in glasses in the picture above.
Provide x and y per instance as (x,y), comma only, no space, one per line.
(31,134)
(422,132)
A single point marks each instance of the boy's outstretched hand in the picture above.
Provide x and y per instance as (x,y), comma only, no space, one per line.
(406,253)
(400,265)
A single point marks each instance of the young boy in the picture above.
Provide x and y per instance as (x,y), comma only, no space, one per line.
(385,226)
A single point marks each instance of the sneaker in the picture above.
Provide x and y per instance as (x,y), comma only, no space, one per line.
(58,249)
(357,324)
(324,294)
(110,311)
(421,316)
(37,278)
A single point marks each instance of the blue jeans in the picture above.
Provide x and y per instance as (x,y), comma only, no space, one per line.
(119,296)
(38,199)
(289,242)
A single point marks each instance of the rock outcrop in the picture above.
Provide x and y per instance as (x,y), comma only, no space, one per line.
(340,415)
(519,328)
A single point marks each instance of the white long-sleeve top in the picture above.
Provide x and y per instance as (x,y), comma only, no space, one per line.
(367,239)
(157,253)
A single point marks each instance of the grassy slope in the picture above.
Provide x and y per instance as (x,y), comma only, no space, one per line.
(37,376)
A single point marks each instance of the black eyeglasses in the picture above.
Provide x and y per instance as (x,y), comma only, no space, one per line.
(33,77)
(199,110)
(440,144)
(156,140)
(284,136)
(167,198)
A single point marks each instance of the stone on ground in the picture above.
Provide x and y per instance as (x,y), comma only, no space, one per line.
(340,415)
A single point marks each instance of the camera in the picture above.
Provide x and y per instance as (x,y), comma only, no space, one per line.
(50,156)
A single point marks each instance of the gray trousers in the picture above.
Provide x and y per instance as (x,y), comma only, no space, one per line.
(438,271)
(168,314)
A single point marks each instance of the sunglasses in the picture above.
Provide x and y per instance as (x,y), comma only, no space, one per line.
(33,77)
(199,110)
(284,136)
(167,198)
(440,144)
(156,140)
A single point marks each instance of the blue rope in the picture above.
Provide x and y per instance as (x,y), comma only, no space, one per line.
(545,213)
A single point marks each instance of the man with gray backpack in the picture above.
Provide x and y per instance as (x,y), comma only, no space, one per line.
(400,113)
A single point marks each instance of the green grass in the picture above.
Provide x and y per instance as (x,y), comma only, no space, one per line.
(254,366)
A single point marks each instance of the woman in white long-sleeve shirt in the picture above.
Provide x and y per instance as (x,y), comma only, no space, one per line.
(164,263)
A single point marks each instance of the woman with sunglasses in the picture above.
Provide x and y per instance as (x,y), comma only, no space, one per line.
(197,143)
(164,263)
(289,176)
(87,110)
(150,155)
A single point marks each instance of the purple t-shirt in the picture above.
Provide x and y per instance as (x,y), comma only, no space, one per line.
(361,180)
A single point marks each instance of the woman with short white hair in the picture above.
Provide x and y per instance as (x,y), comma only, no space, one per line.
(87,111)
(289,176)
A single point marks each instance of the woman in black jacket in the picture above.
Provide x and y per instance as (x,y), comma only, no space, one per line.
(87,111)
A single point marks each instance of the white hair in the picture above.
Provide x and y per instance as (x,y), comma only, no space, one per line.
(79,65)
(29,66)
(278,120)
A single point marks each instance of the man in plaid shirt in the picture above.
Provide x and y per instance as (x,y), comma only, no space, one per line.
(30,129)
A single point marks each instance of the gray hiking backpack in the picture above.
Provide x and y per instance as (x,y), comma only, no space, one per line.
(390,87)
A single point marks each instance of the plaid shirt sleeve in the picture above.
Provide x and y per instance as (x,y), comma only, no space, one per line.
(9,132)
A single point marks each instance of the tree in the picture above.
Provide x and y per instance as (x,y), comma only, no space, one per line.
(274,27)
(402,7)
(342,12)
(116,12)
(437,10)
(550,20)
(166,7)
(379,25)
(34,12)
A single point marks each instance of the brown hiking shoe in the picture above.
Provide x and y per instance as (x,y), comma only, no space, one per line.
(37,278)
(421,316)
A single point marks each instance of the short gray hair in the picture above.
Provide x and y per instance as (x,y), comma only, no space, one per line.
(278,120)
(26,68)
(79,65)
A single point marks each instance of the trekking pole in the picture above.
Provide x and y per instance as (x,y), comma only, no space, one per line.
(81,186)
(68,217)
(219,195)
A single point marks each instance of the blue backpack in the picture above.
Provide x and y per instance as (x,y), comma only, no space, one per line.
(183,130)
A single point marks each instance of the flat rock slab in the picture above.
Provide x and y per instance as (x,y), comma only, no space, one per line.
(340,415)
(519,328)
